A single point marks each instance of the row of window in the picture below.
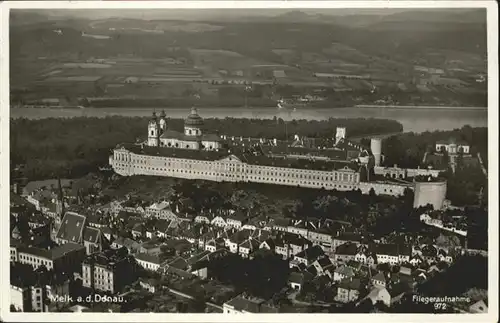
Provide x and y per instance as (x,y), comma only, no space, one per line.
(35,261)
(274,171)
(276,180)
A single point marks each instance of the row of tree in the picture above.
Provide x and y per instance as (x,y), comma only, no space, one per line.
(70,148)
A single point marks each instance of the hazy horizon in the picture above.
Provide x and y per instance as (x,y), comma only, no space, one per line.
(230,13)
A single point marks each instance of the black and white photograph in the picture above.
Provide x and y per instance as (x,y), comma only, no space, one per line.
(211,158)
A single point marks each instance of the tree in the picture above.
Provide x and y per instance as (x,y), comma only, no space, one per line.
(197,305)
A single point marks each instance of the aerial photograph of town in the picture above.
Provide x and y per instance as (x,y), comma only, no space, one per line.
(249,161)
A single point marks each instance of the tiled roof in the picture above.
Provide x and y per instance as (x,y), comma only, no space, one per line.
(347,249)
(64,249)
(379,277)
(251,244)
(91,234)
(248,305)
(392,249)
(345,271)
(198,257)
(349,236)
(311,253)
(51,254)
(159,206)
(240,236)
(324,262)
(179,263)
(155,259)
(350,284)
(292,239)
(126,242)
(71,228)
(270,243)
(238,216)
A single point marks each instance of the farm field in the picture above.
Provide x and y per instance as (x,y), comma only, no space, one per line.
(221,60)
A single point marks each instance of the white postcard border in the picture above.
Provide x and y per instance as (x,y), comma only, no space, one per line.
(492,21)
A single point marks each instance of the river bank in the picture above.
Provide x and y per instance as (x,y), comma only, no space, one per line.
(418,107)
(413,120)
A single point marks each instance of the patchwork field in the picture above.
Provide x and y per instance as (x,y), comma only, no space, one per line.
(85,65)
(73,79)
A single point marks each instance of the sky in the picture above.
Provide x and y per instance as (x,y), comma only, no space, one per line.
(212,14)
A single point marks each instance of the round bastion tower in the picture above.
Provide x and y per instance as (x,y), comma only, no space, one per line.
(153,131)
(430,192)
(376,148)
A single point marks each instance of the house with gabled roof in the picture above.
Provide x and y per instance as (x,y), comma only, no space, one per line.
(74,229)
(236,220)
(202,219)
(343,272)
(71,228)
(379,294)
(215,244)
(348,290)
(154,209)
(392,253)
(296,280)
(131,245)
(346,237)
(150,247)
(236,239)
(361,256)
(480,306)
(345,252)
(138,230)
(416,260)
(246,304)
(107,232)
(247,247)
(379,280)
(219,221)
(94,240)
(151,262)
(324,266)
(268,244)
(307,256)
(206,237)
(168,214)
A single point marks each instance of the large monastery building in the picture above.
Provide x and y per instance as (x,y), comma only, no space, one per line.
(332,164)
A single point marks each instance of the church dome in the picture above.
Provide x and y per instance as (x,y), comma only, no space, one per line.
(193,119)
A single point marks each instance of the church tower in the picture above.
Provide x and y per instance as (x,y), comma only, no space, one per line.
(341,134)
(163,121)
(193,124)
(153,131)
(60,199)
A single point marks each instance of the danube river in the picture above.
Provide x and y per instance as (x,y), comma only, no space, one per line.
(415,120)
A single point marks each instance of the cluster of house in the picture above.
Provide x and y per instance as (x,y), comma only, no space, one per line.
(352,269)
(165,242)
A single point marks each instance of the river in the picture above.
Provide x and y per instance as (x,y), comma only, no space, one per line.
(413,120)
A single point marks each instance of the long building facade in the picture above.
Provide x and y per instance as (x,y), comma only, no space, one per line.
(191,154)
(128,161)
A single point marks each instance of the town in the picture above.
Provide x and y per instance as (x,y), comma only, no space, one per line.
(210,243)
(254,161)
